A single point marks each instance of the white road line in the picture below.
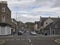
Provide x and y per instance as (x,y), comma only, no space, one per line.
(34,36)
(17,39)
(31,44)
(29,40)
(22,39)
(11,39)
(10,36)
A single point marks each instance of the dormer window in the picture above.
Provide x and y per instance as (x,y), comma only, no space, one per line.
(3,9)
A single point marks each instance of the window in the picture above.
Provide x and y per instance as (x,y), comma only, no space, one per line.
(56,26)
(3,9)
(3,18)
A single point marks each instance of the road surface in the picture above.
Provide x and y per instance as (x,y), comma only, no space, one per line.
(30,40)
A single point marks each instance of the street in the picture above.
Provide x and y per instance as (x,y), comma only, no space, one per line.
(27,39)
(29,22)
(17,42)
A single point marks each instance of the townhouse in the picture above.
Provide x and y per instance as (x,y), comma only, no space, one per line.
(5,19)
(14,26)
(21,25)
(37,25)
(30,26)
(50,25)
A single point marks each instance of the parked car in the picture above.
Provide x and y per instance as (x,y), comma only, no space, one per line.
(45,34)
(33,33)
(20,32)
(38,32)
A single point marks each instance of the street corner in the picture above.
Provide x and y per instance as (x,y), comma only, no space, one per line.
(57,41)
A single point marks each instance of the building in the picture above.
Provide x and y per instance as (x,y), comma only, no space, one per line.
(37,25)
(50,25)
(30,26)
(14,26)
(5,19)
(21,25)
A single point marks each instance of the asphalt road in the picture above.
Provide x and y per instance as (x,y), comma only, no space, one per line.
(30,40)
(17,42)
(44,42)
(23,40)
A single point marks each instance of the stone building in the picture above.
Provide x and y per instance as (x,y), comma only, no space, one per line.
(50,25)
(5,19)
(14,26)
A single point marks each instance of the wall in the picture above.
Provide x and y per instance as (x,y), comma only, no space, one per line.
(36,27)
(7,13)
(5,30)
(47,22)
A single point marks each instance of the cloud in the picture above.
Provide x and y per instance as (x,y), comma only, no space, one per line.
(3,0)
(31,10)
(57,3)
(28,18)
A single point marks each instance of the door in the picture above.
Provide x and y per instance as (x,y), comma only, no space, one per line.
(2,30)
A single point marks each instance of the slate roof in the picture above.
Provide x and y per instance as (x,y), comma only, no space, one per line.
(53,18)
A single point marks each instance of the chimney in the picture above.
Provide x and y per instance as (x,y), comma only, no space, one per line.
(3,2)
(58,16)
(40,18)
(49,17)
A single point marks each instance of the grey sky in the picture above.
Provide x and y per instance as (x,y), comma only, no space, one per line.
(31,10)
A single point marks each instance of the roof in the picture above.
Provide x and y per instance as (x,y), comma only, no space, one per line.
(52,25)
(3,2)
(53,18)
(43,19)
(37,22)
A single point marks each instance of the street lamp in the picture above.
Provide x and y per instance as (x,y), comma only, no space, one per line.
(16,15)
(16,25)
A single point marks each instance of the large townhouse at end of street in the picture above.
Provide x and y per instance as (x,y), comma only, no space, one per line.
(5,19)
(50,25)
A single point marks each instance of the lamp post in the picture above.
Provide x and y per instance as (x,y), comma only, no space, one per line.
(16,27)
(16,16)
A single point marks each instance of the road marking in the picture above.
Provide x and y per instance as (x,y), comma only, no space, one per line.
(29,40)
(10,36)
(11,39)
(31,44)
(17,39)
(22,39)
(34,36)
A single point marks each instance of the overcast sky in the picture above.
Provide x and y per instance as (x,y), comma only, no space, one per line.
(31,10)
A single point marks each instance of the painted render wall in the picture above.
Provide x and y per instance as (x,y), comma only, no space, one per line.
(47,22)
(5,30)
